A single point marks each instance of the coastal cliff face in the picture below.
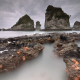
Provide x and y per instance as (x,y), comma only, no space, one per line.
(24,23)
(55,18)
(76,26)
(38,25)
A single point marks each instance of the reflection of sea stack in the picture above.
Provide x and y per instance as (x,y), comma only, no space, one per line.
(55,18)
(38,25)
(76,26)
(24,23)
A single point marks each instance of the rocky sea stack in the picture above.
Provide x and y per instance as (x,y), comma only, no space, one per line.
(76,26)
(55,18)
(38,25)
(24,23)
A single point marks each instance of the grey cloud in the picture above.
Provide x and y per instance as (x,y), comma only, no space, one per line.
(12,10)
(73,2)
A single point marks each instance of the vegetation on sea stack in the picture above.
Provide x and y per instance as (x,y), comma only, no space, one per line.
(24,20)
(58,12)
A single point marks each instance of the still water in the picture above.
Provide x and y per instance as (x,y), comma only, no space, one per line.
(47,66)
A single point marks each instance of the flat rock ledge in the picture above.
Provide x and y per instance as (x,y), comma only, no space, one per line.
(12,54)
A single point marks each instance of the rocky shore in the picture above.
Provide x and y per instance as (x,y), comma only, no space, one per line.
(13,54)
(56,30)
(41,37)
(14,51)
(72,60)
(70,52)
(18,29)
(64,47)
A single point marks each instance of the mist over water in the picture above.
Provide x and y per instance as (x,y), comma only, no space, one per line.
(7,34)
(47,66)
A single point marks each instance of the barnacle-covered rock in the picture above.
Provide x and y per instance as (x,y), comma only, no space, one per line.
(72,60)
(14,54)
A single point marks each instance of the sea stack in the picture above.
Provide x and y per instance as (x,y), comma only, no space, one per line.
(55,18)
(24,23)
(38,25)
(76,26)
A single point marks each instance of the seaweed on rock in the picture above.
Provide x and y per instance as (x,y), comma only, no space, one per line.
(63,38)
(59,13)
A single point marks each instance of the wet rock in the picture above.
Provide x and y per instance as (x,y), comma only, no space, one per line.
(63,47)
(15,55)
(72,60)
(63,38)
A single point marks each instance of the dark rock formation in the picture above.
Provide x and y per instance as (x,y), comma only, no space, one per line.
(62,48)
(76,26)
(64,44)
(24,23)
(63,38)
(38,25)
(55,18)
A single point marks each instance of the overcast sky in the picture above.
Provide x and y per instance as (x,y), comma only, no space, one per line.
(12,10)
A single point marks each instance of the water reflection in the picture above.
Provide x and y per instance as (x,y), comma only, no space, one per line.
(45,67)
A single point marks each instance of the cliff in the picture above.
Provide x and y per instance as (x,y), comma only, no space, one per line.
(76,26)
(55,18)
(24,23)
(38,25)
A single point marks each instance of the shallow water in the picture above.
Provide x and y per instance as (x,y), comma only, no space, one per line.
(47,66)
(78,43)
(7,34)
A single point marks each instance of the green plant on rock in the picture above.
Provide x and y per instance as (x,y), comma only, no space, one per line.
(24,20)
(53,10)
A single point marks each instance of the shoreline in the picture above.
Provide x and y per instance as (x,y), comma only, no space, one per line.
(26,46)
(39,30)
